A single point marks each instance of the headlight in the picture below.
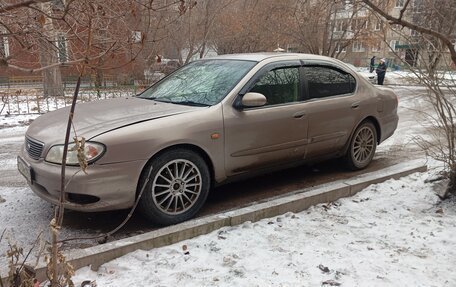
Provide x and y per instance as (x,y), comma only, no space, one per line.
(92,152)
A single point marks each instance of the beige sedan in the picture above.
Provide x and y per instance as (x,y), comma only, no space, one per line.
(211,121)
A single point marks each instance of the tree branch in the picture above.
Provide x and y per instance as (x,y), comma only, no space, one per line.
(21,5)
(86,59)
(401,13)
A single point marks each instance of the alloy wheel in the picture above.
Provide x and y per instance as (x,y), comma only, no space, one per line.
(177,186)
(363,145)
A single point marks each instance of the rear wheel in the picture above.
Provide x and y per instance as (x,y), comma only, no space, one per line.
(177,189)
(362,146)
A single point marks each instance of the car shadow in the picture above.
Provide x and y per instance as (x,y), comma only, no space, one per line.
(222,198)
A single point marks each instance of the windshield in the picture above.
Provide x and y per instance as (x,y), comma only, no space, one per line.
(201,83)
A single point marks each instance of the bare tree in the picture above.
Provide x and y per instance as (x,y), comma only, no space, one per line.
(320,27)
(189,36)
(444,8)
(434,27)
(87,35)
(247,26)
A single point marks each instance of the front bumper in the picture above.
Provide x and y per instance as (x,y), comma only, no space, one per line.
(113,185)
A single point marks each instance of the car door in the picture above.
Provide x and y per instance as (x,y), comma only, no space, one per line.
(271,134)
(332,108)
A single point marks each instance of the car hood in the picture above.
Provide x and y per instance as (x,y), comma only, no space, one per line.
(94,118)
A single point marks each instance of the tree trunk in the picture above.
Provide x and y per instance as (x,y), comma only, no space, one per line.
(451,188)
(52,78)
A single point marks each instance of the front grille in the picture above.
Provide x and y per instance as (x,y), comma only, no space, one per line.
(34,148)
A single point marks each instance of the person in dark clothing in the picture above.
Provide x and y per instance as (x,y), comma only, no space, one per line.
(372,64)
(381,71)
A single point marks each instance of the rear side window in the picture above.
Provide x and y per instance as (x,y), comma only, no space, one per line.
(327,81)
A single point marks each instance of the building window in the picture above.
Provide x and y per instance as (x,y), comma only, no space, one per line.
(4,47)
(360,24)
(417,6)
(393,44)
(341,25)
(338,26)
(136,36)
(58,4)
(414,33)
(399,3)
(376,46)
(349,4)
(396,27)
(378,25)
(340,49)
(358,47)
(62,48)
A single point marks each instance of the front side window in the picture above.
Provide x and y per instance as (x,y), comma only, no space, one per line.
(279,86)
(200,83)
(327,81)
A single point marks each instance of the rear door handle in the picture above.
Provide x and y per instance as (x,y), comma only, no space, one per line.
(355,105)
(299,115)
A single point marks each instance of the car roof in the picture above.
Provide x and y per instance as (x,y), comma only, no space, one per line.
(258,57)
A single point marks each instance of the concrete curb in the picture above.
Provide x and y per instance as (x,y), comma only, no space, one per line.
(295,201)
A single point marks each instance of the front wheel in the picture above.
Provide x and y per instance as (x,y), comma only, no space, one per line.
(177,189)
(362,146)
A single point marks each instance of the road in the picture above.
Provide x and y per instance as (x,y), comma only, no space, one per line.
(25,215)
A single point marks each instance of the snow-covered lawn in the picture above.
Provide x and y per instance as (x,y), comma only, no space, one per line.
(396,233)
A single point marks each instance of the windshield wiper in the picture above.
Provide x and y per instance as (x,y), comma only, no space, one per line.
(191,103)
(187,103)
(145,98)
(156,99)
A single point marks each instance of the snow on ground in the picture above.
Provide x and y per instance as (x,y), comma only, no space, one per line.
(391,234)
(30,100)
(16,120)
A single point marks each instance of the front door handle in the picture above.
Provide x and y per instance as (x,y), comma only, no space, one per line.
(299,115)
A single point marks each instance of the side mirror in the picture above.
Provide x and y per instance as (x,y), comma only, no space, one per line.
(252,100)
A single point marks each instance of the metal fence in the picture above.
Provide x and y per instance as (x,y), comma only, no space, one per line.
(30,100)
(12,82)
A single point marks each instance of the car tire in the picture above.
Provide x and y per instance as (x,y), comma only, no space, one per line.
(178,187)
(362,146)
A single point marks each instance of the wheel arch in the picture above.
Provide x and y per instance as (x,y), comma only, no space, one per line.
(371,119)
(376,124)
(196,149)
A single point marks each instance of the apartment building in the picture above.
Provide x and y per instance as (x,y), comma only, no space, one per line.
(359,34)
